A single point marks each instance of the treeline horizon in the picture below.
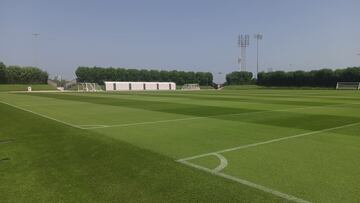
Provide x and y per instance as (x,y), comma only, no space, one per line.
(313,78)
(240,78)
(22,75)
(100,74)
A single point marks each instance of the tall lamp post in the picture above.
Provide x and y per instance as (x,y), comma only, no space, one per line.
(36,37)
(257,36)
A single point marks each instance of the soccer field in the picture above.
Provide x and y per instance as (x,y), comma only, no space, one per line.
(257,145)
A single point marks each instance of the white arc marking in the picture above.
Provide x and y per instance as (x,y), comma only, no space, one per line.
(223,163)
(247,183)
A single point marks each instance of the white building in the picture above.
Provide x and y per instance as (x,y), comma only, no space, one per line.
(138,86)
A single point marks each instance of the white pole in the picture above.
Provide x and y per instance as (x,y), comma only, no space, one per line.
(258,36)
(36,37)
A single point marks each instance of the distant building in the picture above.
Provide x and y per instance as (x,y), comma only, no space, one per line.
(138,86)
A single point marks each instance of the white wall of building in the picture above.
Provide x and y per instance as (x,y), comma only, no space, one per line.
(117,86)
(151,85)
(138,86)
(109,86)
(172,86)
(122,86)
(163,86)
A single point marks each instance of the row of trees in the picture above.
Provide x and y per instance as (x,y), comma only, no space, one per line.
(239,78)
(22,75)
(99,75)
(314,78)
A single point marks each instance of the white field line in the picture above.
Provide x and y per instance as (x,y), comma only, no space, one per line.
(92,125)
(148,122)
(40,105)
(223,163)
(269,141)
(247,183)
(215,116)
(5,141)
(34,91)
(42,115)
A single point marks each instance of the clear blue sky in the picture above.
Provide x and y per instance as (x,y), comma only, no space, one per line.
(184,34)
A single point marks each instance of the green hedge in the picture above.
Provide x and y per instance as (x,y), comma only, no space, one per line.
(314,78)
(99,75)
(239,78)
(22,75)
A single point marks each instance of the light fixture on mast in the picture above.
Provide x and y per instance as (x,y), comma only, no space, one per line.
(243,42)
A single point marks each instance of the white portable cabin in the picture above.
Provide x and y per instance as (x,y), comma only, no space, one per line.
(151,86)
(117,86)
(138,86)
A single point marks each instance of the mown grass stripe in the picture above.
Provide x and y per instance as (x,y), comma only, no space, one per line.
(42,115)
(206,117)
(97,168)
(270,141)
(4,159)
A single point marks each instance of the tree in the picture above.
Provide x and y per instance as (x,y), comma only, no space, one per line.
(82,74)
(25,75)
(99,75)
(314,78)
(2,73)
(239,78)
(325,78)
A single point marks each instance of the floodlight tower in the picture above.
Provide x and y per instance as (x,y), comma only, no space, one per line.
(36,37)
(257,36)
(243,42)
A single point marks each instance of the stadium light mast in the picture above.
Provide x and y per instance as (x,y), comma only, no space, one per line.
(243,42)
(36,36)
(257,36)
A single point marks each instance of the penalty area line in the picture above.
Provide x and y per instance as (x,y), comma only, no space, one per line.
(223,163)
(269,141)
(147,122)
(247,183)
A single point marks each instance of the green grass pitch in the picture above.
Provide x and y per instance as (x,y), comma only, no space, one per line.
(255,145)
